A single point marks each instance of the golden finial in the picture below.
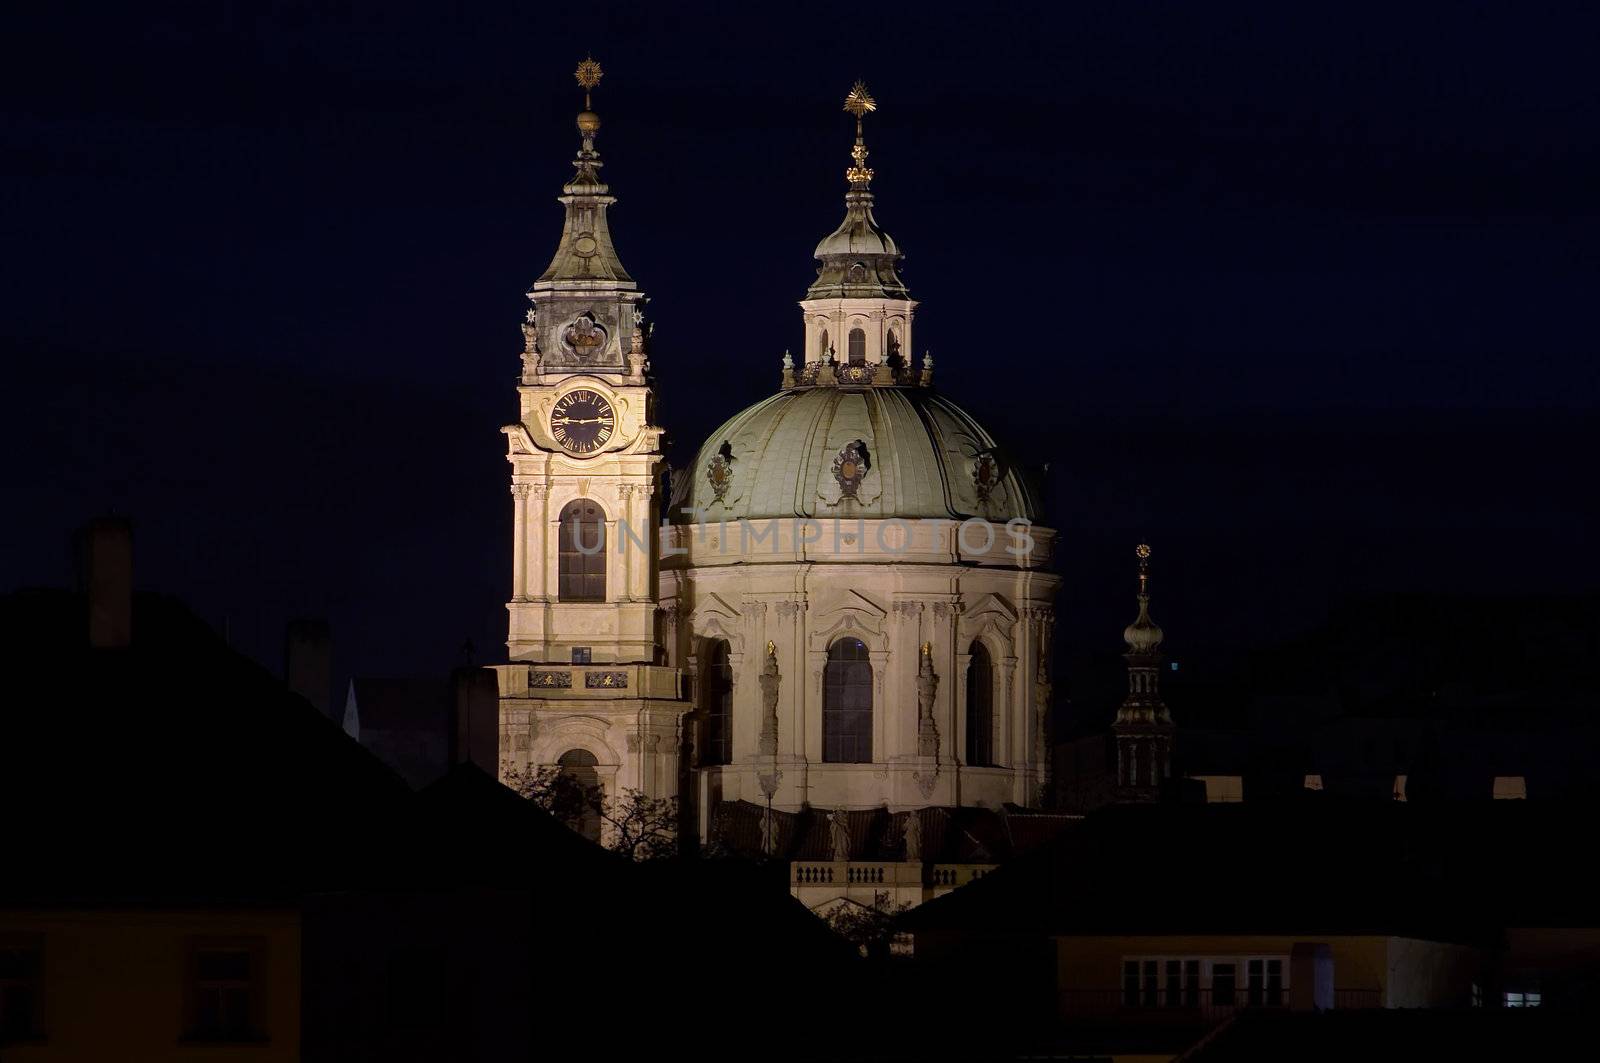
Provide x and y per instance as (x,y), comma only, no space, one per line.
(927,649)
(1143,550)
(772,648)
(1143,553)
(588,75)
(860,102)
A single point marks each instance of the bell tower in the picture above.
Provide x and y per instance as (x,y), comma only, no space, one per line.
(587,682)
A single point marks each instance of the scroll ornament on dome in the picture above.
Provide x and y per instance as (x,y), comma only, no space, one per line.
(985,475)
(719,472)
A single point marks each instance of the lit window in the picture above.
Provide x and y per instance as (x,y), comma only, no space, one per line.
(1510,788)
(1313,782)
(1399,787)
(1223,788)
(1523,999)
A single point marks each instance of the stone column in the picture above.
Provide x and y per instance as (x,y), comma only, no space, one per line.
(519,544)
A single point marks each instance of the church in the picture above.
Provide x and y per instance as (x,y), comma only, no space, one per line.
(843,608)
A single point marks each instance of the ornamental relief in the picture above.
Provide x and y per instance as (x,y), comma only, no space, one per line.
(850,469)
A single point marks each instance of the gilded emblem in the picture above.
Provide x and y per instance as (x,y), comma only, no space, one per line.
(850,467)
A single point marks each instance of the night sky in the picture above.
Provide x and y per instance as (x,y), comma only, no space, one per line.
(1302,294)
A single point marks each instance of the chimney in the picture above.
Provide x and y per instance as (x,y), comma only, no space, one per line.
(1310,977)
(308,661)
(475,718)
(105,574)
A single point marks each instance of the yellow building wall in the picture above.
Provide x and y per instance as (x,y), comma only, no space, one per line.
(115,983)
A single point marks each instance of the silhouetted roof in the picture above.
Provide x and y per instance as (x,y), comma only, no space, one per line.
(1444,872)
(174,770)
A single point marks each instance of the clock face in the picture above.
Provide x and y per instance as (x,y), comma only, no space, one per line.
(582,421)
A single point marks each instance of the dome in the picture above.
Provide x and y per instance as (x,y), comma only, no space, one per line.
(873,452)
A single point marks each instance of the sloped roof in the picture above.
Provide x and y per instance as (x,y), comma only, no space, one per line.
(1448,873)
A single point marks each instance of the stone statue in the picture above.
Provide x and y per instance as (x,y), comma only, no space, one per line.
(839,832)
(912,833)
(769,680)
(769,831)
(927,686)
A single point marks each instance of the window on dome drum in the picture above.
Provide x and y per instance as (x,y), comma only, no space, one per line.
(581,766)
(822,348)
(582,571)
(980,708)
(847,704)
(858,347)
(718,703)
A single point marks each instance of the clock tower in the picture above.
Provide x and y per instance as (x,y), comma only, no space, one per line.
(586,685)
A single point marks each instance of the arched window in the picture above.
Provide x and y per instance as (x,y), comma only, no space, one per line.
(582,552)
(822,347)
(718,704)
(980,708)
(858,347)
(579,804)
(847,703)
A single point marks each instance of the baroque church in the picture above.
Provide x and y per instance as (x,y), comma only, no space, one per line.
(843,609)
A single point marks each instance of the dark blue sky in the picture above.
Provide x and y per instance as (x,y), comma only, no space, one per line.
(1302,293)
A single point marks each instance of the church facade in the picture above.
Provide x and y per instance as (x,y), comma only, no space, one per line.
(845,604)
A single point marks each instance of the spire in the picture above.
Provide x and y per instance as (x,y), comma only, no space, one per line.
(587,311)
(586,253)
(1143,726)
(1144,635)
(858,258)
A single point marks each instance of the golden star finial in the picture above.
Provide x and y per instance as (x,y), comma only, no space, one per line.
(860,102)
(588,75)
(1143,550)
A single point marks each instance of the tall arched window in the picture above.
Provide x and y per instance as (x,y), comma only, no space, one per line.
(822,347)
(847,703)
(858,347)
(980,708)
(579,766)
(582,552)
(718,703)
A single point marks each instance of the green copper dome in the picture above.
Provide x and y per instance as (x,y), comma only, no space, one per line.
(873,452)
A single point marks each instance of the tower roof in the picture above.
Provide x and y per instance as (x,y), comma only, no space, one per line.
(858,259)
(1144,635)
(586,257)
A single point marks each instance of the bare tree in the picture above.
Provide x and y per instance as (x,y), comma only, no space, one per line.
(641,827)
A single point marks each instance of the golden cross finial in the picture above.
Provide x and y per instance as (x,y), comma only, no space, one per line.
(588,75)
